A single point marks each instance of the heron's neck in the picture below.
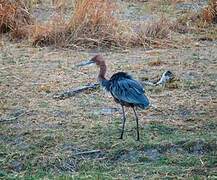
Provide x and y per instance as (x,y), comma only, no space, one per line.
(102,72)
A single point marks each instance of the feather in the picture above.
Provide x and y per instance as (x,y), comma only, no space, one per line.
(127,90)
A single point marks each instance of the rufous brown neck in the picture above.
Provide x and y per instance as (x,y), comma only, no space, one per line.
(102,71)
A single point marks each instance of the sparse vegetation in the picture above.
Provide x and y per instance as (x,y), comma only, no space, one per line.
(77,138)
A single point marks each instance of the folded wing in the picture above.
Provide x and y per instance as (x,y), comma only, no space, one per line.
(129,91)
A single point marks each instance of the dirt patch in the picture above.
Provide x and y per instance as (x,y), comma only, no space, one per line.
(155,152)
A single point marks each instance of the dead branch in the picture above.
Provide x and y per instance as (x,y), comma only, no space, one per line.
(87,152)
(12,119)
(71,92)
(166,77)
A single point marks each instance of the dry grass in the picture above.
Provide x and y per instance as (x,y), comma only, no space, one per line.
(92,24)
(157,62)
(93,21)
(54,32)
(203,19)
(59,4)
(209,13)
(159,29)
(13,15)
(155,34)
(156,4)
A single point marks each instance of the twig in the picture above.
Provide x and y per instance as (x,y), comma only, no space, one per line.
(87,152)
(148,83)
(12,118)
(166,77)
(71,92)
(201,161)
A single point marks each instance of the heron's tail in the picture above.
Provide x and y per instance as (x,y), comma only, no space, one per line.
(145,103)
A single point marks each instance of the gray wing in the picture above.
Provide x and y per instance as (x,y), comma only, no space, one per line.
(130,91)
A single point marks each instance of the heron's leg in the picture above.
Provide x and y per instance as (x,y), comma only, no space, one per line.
(137,123)
(124,120)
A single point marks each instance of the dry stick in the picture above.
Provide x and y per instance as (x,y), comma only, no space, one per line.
(12,118)
(71,92)
(88,152)
(166,77)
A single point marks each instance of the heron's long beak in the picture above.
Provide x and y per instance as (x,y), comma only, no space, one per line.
(85,63)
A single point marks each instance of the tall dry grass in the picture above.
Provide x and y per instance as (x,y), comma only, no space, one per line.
(203,19)
(159,29)
(209,13)
(92,24)
(95,23)
(13,15)
(156,33)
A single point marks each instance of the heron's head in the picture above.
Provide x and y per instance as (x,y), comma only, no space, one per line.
(97,59)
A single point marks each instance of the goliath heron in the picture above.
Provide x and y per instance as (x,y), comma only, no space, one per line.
(125,90)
